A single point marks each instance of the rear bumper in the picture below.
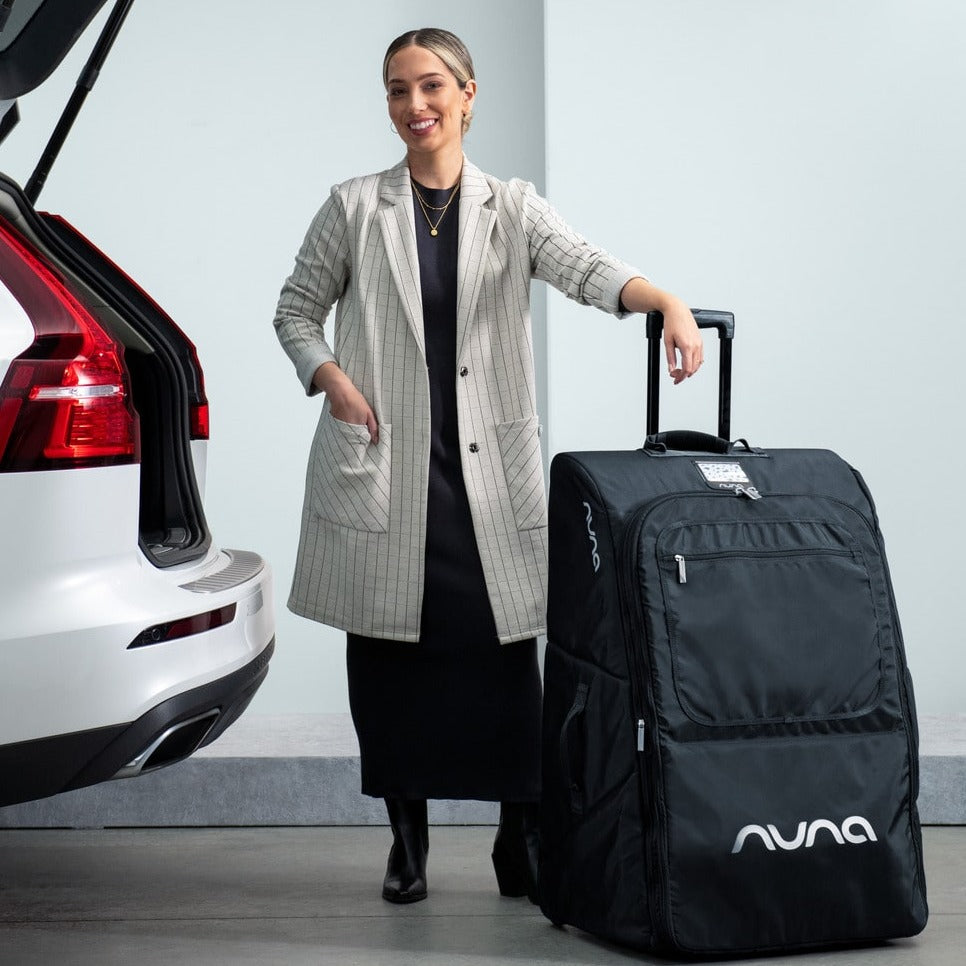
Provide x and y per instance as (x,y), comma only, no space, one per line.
(47,766)
(205,712)
(103,641)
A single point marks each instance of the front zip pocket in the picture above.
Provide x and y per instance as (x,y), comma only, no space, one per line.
(769,621)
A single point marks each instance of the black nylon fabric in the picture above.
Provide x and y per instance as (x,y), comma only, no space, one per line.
(730,760)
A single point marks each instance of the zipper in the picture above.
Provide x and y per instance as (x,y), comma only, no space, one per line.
(650,767)
(751,492)
(681,561)
(682,568)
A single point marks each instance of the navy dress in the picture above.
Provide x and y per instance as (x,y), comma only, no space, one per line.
(456,715)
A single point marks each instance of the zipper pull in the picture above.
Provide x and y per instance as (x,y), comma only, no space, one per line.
(682,569)
(749,491)
(640,734)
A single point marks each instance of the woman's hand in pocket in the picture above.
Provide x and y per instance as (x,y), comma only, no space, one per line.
(346,403)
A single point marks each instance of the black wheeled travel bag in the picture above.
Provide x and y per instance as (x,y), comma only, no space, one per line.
(730,760)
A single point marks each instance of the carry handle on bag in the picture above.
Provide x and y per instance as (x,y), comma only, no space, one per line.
(724,322)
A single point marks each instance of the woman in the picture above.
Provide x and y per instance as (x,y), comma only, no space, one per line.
(424,524)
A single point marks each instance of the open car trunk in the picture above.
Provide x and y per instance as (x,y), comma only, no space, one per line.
(165,377)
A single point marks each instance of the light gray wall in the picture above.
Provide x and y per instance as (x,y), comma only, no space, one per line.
(213,135)
(801,164)
(798,162)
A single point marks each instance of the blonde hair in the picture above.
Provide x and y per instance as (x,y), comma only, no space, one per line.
(446,46)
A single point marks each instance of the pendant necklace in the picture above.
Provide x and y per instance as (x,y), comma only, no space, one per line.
(427,208)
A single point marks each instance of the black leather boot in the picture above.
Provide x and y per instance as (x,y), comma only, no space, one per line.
(406,871)
(515,849)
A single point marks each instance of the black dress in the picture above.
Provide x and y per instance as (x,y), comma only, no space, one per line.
(456,715)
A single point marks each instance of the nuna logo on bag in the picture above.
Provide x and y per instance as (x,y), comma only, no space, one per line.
(592,535)
(855,830)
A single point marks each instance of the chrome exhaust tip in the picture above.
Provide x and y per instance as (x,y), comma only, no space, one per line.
(175,744)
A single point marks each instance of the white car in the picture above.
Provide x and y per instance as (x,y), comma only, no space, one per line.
(128,639)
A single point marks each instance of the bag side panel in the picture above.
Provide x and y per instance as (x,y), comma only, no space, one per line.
(592,855)
(583,603)
(592,858)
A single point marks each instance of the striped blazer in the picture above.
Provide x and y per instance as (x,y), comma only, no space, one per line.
(360,560)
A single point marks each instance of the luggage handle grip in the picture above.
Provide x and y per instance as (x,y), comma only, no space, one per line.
(685,439)
(574,790)
(688,441)
(724,322)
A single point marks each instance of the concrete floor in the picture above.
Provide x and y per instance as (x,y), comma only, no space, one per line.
(311,895)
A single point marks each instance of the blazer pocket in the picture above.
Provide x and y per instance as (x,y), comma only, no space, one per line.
(519,442)
(351,475)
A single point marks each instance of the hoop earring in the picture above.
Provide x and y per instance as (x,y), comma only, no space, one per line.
(392,127)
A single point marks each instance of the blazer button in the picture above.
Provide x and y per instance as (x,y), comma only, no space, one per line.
(464,371)
(474,448)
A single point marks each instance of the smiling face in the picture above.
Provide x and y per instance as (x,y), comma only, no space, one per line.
(426,103)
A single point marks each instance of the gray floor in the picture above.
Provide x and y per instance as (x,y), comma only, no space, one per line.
(311,895)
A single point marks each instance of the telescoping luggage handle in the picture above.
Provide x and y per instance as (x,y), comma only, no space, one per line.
(724,322)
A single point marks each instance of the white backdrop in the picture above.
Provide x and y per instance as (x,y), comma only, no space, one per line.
(799,163)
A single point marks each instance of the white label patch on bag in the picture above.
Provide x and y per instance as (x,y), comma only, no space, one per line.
(722,474)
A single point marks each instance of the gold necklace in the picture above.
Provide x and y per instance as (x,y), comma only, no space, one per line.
(427,208)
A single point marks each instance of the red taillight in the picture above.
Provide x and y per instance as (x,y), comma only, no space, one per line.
(197,400)
(65,402)
(199,421)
